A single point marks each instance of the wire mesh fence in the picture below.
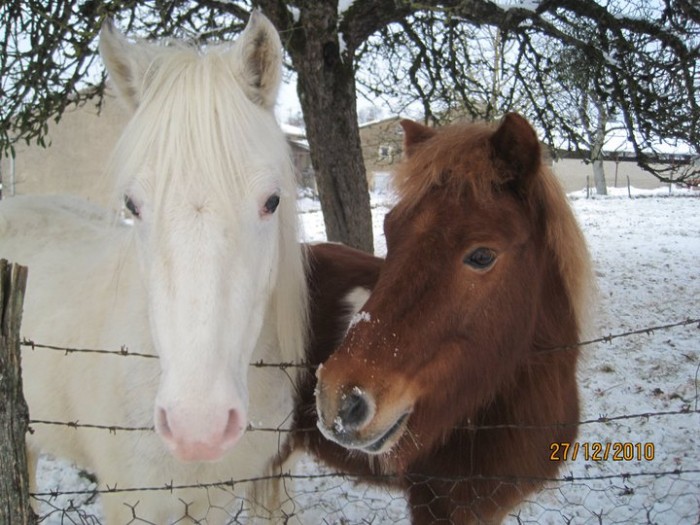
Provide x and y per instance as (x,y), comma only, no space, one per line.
(606,476)
(315,495)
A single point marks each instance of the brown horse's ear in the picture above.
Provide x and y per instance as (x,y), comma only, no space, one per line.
(515,144)
(413,134)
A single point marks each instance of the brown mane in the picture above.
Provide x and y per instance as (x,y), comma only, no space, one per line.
(446,152)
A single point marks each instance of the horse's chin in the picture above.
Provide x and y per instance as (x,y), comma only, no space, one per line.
(377,443)
(198,453)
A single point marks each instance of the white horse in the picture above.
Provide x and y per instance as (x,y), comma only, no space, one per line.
(210,278)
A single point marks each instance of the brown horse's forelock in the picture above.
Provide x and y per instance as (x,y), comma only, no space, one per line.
(457,159)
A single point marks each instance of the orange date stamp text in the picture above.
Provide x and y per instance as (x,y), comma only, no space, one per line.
(598,451)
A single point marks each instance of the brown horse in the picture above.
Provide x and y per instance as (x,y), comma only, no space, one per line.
(446,379)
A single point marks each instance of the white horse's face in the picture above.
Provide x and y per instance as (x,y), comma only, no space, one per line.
(209,274)
(205,184)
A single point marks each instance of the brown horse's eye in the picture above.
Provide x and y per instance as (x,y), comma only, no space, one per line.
(271,204)
(481,258)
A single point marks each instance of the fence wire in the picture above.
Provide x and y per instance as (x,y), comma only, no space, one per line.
(633,491)
(125,352)
(113,429)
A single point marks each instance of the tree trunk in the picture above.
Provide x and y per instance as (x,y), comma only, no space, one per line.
(597,157)
(14,414)
(598,143)
(601,187)
(331,126)
(326,88)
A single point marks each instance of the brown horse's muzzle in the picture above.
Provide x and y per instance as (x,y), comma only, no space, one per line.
(359,410)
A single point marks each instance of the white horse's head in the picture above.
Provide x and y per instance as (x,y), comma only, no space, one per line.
(206,171)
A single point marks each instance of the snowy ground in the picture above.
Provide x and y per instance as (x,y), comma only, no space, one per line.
(646,253)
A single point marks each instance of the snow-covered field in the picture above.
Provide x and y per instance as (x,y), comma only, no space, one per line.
(647,259)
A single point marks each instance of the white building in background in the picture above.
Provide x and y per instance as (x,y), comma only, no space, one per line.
(79,146)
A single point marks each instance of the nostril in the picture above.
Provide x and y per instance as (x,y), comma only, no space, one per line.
(354,410)
(162,424)
(234,426)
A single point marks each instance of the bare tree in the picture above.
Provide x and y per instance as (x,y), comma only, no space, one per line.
(447,68)
(649,51)
(646,55)
(585,102)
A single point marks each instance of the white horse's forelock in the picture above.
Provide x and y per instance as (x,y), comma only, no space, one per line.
(219,127)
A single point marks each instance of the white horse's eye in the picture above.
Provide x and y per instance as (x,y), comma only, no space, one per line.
(132,206)
(271,204)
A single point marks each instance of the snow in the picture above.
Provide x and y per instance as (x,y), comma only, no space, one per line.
(646,253)
(343,6)
(528,5)
(338,425)
(359,317)
(295,12)
(663,191)
(617,140)
(342,45)
(293,131)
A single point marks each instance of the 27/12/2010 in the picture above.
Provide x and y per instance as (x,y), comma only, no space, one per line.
(597,451)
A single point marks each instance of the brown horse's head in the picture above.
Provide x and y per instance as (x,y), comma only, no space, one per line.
(485,265)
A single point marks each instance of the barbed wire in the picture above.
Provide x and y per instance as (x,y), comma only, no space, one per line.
(113,429)
(639,331)
(122,352)
(125,352)
(385,478)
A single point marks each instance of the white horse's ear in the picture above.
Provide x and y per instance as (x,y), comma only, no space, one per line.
(126,63)
(259,60)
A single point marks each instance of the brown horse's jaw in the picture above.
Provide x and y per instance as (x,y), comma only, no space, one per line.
(386,441)
(369,441)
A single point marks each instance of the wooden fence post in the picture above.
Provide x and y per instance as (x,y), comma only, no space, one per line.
(14,414)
